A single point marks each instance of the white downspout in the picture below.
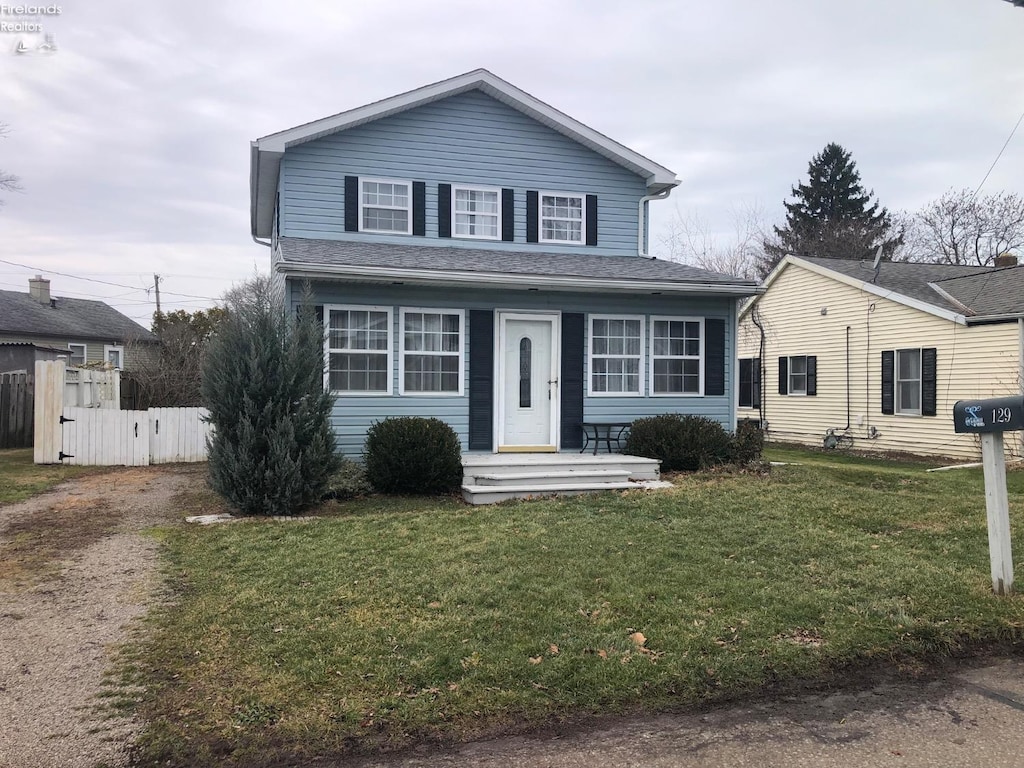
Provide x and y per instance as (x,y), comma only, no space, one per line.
(641,220)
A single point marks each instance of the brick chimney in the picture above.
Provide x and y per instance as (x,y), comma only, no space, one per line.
(39,289)
(1006,260)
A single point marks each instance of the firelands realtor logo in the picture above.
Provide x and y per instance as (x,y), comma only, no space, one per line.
(29,23)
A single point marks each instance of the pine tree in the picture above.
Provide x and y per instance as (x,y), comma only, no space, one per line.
(831,216)
(272,451)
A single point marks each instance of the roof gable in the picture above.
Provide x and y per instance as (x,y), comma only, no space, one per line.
(266,152)
(67,318)
(937,289)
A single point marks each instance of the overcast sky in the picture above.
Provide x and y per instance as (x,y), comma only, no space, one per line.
(132,138)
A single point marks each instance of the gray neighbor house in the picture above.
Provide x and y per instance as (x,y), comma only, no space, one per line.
(482,258)
(36,325)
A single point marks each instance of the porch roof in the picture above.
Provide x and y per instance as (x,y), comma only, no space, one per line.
(523,270)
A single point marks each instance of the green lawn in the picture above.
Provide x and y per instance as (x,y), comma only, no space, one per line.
(20,478)
(401,621)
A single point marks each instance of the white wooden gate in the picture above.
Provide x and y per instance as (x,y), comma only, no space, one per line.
(104,437)
(177,434)
(77,421)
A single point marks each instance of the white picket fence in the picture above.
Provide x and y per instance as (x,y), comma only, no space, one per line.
(77,421)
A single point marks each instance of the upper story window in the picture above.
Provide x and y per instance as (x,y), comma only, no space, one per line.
(385,205)
(476,212)
(616,355)
(676,352)
(78,354)
(561,218)
(358,349)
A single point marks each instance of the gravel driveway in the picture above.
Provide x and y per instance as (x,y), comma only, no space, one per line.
(75,569)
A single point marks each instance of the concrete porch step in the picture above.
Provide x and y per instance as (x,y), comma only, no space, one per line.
(548,478)
(491,494)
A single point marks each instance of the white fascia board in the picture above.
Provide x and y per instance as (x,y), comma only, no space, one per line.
(867,287)
(503,280)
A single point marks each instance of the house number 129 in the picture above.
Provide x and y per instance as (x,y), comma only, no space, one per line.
(1001,416)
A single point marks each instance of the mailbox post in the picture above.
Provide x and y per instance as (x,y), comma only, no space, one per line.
(989,419)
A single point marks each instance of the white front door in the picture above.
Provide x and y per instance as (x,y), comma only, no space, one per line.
(528,382)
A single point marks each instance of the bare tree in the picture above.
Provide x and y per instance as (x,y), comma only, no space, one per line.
(690,241)
(963,228)
(8,181)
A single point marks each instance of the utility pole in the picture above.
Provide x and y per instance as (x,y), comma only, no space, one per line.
(156,287)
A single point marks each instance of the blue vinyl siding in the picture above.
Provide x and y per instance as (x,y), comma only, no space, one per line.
(353,415)
(470,139)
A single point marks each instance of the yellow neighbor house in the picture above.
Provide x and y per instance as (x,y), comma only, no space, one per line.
(880,355)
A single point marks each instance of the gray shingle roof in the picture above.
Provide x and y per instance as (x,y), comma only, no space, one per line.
(994,292)
(67,318)
(442,259)
(906,278)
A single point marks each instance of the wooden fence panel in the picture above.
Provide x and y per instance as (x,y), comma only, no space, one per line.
(49,405)
(105,437)
(177,434)
(16,410)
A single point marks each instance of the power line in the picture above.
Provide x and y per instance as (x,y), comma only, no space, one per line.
(102,282)
(1005,145)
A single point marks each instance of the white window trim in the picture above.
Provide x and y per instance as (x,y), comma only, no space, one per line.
(700,356)
(407,208)
(541,217)
(897,411)
(789,377)
(642,381)
(108,348)
(402,351)
(390,350)
(470,188)
(85,352)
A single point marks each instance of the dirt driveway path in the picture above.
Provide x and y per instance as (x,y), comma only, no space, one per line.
(75,568)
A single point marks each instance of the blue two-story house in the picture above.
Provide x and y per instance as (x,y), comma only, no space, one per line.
(482,258)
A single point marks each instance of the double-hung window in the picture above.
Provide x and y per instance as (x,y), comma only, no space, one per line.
(78,354)
(561,218)
(616,355)
(385,205)
(359,349)
(431,361)
(908,381)
(676,354)
(114,355)
(798,375)
(476,212)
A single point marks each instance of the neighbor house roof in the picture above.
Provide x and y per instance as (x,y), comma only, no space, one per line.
(66,318)
(266,152)
(964,294)
(510,269)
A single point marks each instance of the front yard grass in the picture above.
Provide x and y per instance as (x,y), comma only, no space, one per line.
(411,620)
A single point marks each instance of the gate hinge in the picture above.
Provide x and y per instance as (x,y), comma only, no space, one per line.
(63,420)
(61,456)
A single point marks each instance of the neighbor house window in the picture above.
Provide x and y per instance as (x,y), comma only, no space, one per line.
(616,354)
(750,382)
(359,349)
(385,206)
(676,352)
(908,381)
(114,355)
(798,375)
(561,218)
(431,361)
(78,354)
(476,213)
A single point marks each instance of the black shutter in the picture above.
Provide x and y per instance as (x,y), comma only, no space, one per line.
(757,383)
(532,216)
(351,203)
(481,380)
(572,380)
(591,219)
(444,210)
(746,399)
(929,404)
(508,215)
(714,357)
(419,208)
(812,375)
(888,381)
(783,375)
